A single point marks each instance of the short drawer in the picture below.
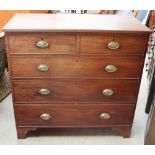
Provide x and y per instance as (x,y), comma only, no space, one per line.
(75,90)
(74,115)
(105,67)
(42,43)
(113,43)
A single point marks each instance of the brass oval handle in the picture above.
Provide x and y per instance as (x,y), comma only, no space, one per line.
(42,44)
(108,92)
(111,68)
(113,45)
(45,116)
(44,91)
(105,116)
(42,67)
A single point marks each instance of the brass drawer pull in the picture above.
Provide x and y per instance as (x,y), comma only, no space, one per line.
(43,68)
(42,44)
(105,116)
(111,68)
(113,45)
(45,116)
(108,92)
(44,92)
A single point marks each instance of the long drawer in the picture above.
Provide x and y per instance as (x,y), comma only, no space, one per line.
(98,43)
(58,66)
(73,115)
(57,43)
(75,90)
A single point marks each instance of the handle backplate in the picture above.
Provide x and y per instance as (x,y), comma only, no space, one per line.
(105,116)
(45,116)
(42,68)
(113,45)
(108,92)
(44,92)
(42,44)
(111,68)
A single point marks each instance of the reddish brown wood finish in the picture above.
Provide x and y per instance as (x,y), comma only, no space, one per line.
(127,67)
(69,90)
(73,115)
(76,56)
(21,132)
(124,130)
(59,43)
(97,43)
(65,43)
(75,23)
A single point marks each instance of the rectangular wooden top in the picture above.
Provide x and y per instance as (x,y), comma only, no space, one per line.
(74,23)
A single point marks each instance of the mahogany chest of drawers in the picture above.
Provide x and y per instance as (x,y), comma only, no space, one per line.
(75,70)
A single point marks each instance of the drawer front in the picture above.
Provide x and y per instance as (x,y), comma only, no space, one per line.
(71,90)
(123,67)
(58,43)
(86,115)
(127,43)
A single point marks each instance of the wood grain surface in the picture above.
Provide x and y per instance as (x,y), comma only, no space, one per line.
(128,43)
(87,115)
(76,57)
(59,43)
(74,22)
(71,90)
(73,67)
